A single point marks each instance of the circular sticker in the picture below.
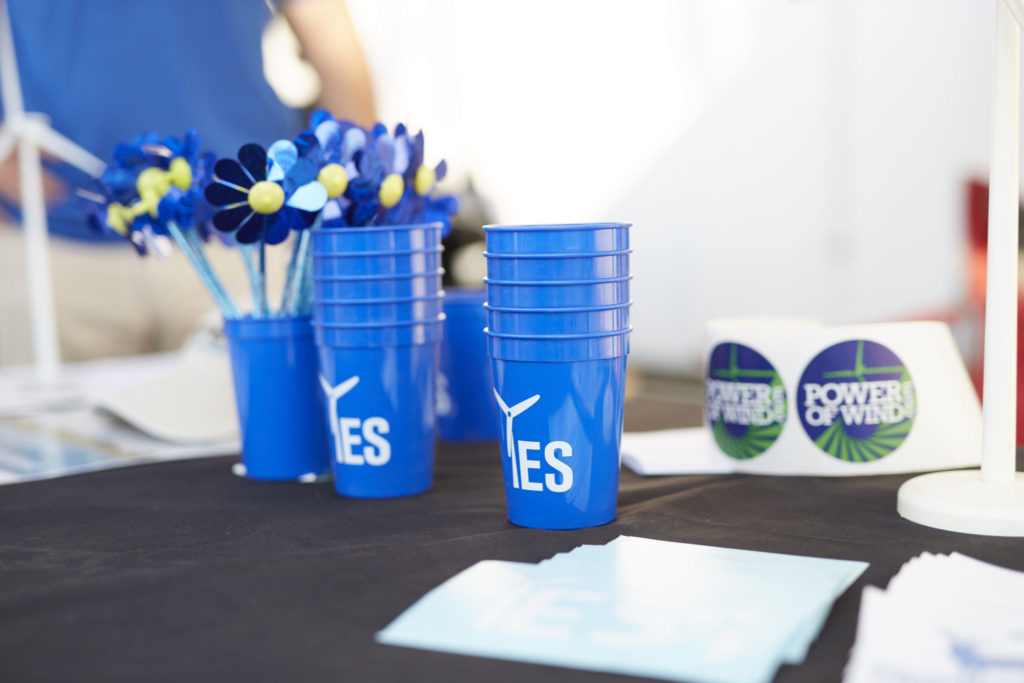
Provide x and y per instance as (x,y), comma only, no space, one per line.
(856,401)
(744,400)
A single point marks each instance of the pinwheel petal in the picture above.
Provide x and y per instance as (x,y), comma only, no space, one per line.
(441,170)
(308,197)
(328,133)
(384,149)
(307,144)
(227,220)
(318,116)
(254,159)
(232,172)
(219,194)
(282,154)
(275,229)
(401,158)
(251,230)
(353,141)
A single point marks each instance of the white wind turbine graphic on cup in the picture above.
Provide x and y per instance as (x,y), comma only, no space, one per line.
(334,394)
(510,414)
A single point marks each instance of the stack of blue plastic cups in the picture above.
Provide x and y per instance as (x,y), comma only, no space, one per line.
(558,336)
(377,324)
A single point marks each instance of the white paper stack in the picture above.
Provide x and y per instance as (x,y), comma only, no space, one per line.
(636,606)
(942,618)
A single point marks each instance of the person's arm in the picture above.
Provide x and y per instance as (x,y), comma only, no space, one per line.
(330,44)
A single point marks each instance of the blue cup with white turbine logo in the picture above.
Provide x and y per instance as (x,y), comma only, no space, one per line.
(557,238)
(561,424)
(465,403)
(380,414)
(277,394)
(558,293)
(375,238)
(560,266)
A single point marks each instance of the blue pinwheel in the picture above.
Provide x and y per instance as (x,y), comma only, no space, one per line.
(333,144)
(262,196)
(150,183)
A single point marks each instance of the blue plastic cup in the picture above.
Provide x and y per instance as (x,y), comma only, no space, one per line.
(565,347)
(562,427)
(337,335)
(353,264)
(380,410)
(532,267)
(557,239)
(370,288)
(327,240)
(393,311)
(273,363)
(558,294)
(464,405)
(546,321)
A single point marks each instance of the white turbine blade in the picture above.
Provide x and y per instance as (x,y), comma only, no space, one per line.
(325,385)
(520,407)
(504,408)
(51,141)
(346,386)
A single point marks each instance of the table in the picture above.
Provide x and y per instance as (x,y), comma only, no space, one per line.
(181,571)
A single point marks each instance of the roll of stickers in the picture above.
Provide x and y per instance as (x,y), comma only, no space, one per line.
(791,396)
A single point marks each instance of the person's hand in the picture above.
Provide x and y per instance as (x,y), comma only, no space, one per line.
(54,189)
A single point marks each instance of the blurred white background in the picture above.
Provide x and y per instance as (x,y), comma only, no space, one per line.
(800,158)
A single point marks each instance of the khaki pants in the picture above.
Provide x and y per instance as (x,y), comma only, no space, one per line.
(111,302)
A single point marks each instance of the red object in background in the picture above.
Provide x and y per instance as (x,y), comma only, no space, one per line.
(977,230)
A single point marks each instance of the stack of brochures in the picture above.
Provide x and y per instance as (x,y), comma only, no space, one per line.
(942,618)
(637,606)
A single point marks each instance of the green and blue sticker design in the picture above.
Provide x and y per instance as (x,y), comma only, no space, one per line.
(856,401)
(744,400)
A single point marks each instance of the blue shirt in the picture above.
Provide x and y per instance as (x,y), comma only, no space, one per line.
(106,70)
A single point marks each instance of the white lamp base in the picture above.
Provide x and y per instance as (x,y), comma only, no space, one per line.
(961,501)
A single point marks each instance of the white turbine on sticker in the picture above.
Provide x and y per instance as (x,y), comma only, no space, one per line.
(510,414)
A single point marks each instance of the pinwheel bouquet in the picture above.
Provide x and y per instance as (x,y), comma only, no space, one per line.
(377,307)
(158,191)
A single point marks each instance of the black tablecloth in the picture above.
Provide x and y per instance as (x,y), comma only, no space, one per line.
(182,571)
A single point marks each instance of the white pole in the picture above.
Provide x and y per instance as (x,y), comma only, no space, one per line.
(10,83)
(998,462)
(37,263)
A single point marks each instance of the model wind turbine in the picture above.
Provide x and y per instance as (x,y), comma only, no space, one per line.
(30,133)
(990,501)
(510,414)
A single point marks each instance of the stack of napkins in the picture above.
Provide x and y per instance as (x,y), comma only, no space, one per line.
(637,606)
(942,618)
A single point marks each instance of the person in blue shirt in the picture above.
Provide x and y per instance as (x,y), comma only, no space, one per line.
(104,71)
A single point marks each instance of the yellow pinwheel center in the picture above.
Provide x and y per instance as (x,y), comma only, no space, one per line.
(425,179)
(391,190)
(119,217)
(266,197)
(152,184)
(180,173)
(334,178)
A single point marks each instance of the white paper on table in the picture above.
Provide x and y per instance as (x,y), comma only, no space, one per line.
(72,442)
(673,451)
(942,618)
(637,606)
